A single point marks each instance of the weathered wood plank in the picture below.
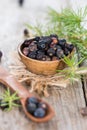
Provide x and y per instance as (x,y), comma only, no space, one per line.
(66,102)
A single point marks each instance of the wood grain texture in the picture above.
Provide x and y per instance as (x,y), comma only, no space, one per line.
(66,102)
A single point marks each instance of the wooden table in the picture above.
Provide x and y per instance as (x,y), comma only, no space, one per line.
(66,102)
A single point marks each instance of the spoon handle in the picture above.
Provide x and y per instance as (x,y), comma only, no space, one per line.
(9,81)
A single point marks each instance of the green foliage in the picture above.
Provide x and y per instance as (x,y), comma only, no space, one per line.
(10,99)
(70,24)
(72,68)
(67,24)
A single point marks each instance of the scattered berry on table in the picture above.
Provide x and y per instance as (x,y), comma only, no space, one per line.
(26,32)
(1,54)
(21,2)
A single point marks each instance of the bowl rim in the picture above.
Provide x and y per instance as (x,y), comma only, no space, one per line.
(20,53)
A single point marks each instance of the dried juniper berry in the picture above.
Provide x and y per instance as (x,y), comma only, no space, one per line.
(51,52)
(26,32)
(32,54)
(32,47)
(31,107)
(32,100)
(66,52)
(41,45)
(40,56)
(62,43)
(21,2)
(1,54)
(55,47)
(36,108)
(25,51)
(27,43)
(60,53)
(37,39)
(48,40)
(44,58)
(39,113)
(70,47)
(41,52)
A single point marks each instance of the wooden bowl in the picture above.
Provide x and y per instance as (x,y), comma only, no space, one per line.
(41,67)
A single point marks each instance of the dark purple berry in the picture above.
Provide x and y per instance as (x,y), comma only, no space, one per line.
(31,107)
(0,55)
(40,52)
(48,40)
(32,47)
(21,2)
(37,39)
(27,43)
(59,53)
(70,47)
(32,100)
(51,52)
(44,58)
(41,45)
(62,43)
(39,56)
(32,55)
(66,52)
(39,113)
(44,37)
(26,32)
(55,47)
(25,51)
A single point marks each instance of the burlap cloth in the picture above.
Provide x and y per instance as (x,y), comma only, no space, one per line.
(38,83)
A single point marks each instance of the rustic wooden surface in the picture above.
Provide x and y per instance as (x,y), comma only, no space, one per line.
(66,102)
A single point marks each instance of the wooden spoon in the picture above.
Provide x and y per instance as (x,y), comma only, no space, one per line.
(9,81)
